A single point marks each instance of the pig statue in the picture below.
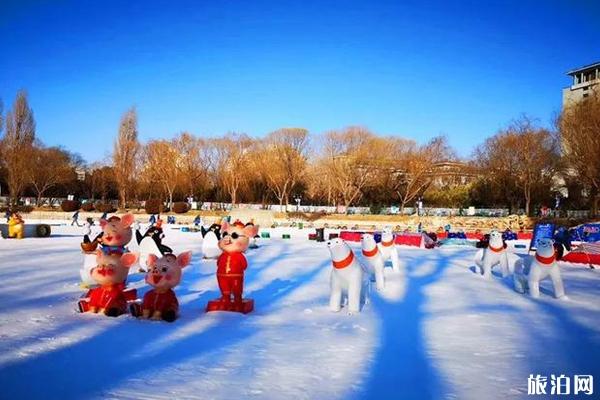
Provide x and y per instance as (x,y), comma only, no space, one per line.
(163,275)
(231,265)
(110,297)
(116,233)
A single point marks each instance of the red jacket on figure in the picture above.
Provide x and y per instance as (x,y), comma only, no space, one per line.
(108,296)
(231,264)
(165,301)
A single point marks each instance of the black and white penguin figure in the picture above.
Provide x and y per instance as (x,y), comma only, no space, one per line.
(210,240)
(151,243)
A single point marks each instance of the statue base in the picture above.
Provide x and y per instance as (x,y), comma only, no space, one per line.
(246,307)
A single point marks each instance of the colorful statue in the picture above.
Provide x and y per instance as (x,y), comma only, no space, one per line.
(163,275)
(151,243)
(231,265)
(110,297)
(16,226)
(116,233)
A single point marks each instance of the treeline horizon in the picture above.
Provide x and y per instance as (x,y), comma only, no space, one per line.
(522,166)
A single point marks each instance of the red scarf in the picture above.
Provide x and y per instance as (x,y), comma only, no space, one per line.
(387,244)
(370,253)
(496,249)
(545,260)
(345,262)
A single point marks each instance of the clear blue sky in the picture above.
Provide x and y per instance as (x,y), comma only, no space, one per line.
(409,68)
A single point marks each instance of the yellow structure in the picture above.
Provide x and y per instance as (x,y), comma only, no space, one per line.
(16,227)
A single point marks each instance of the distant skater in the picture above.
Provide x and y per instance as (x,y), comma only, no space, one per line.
(75,219)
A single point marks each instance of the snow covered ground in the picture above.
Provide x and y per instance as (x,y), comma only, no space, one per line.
(442,332)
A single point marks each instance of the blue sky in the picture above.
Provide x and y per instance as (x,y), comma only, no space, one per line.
(410,68)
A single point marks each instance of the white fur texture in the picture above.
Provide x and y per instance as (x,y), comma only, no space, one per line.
(530,272)
(347,280)
(389,252)
(492,258)
(374,263)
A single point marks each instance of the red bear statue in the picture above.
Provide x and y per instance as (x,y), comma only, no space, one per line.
(231,265)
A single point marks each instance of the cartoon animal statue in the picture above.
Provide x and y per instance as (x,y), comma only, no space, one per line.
(529,272)
(231,265)
(163,275)
(151,243)
(374,260)
(110,297)
(210,241)
(346,277)
(116,233)
(16,226)
(494,254)
(388,249)
(253,240)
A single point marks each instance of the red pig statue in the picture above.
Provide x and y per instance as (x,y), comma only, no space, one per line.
(231,265)
(163,275)
(110,297)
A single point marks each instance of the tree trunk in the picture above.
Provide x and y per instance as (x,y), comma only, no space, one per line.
(122,197)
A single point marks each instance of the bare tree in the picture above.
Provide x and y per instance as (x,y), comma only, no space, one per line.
(522,155)
(282,160)
(414,167)
(162,166)
(50,166)
(230,163)
(194,168)
(17,145)
(579,126)
(125,152)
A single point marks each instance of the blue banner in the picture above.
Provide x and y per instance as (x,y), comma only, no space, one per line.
(541,231)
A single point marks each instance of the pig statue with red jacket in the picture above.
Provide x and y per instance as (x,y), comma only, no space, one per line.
(110,297)
(163,275)
(231,265)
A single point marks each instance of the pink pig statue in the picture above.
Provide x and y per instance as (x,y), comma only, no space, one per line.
(110,297)
(163,275)
(231,265)
(116,233)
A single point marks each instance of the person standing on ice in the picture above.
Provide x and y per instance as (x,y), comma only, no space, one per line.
(75,219)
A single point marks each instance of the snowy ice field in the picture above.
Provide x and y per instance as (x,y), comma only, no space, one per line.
(443,332)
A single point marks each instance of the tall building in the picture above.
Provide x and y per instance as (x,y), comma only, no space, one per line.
(584,79)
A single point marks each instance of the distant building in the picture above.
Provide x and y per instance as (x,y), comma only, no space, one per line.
(584,80)
(453,173)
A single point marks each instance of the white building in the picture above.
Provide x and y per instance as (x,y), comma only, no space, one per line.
(584,79)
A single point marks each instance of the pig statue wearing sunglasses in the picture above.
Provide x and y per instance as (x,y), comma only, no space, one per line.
(231,265)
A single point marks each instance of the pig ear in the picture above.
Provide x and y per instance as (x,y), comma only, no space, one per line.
(127,220)
(224,226)
(151,260)
(103,223)
(128,259)
(251,230)
(184,259)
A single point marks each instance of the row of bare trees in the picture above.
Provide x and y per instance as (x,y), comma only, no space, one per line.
(521,166)
(25,162)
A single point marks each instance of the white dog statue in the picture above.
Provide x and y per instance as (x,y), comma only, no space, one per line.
(388,249)
(529,272)
(374,260)
(494,254)
(346,276)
